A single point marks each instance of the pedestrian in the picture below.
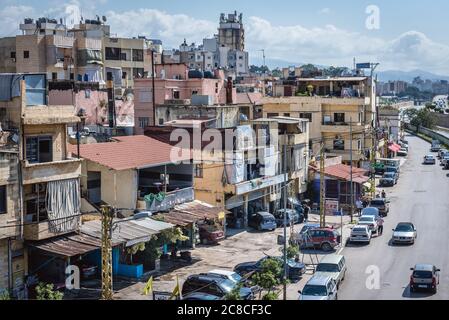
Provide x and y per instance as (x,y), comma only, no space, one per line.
(380,224)
(359,205)
(306,212)
(384,194)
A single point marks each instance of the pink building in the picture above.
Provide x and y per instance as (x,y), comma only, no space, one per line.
(172,82)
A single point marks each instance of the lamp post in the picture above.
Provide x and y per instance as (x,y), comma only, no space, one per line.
(82,115)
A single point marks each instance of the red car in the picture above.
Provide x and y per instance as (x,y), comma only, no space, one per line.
(325,239)
(210,234)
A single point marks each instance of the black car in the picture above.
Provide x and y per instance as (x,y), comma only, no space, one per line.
(262,221)
(213,286)
(295,269)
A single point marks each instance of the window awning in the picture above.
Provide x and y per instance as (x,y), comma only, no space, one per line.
(394,147)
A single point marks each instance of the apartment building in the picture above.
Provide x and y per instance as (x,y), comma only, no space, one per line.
(39,170)
(331,105)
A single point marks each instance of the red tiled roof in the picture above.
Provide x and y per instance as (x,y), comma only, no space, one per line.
(343,172)
(130,152)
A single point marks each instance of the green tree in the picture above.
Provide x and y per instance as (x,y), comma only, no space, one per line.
(421,118)
(270,275)
(234,295)
(46,292)
(292,252)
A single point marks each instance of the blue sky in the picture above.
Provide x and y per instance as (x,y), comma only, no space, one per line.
(412,35)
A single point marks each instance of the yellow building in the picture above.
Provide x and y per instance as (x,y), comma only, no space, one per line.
(332,106)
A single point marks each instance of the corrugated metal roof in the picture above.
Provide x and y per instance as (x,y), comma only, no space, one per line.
(69,245)
(343,172)
(129,232)
(191,212)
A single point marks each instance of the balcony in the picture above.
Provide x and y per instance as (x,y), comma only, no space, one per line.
(170,201)
(89,43)
(257,184)
(60,41)
(39,115)
(51,171)
(332,127)
(292,139)
(39,231)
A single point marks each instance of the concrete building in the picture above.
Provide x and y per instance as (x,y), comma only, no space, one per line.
(40,171)
(231,32)
(330,105)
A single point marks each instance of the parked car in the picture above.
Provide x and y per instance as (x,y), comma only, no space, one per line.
(319,288)
(213,286)
(309,226)
(405,232)
(389,179)
(295,269)
(396,170)
(370,222)
(201,296)
(334,266)
(210,234)
(262,221)
(371,211)
(382,204)
(224,274)
(402,152)
(403,145)
(292,217)
(320,238)
(360,233)
(446,167)
(444,160)
(430,159)
(424,276)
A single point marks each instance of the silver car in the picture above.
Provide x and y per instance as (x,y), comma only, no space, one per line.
(424,276)
(319,288)
(405,232)
(334,266)
(360,233)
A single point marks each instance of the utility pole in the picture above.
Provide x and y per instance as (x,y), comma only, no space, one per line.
(285,219)
(153,75)
(352,186)
(107,217)
(322,187)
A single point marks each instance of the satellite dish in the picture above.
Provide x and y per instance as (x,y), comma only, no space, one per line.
(104,19)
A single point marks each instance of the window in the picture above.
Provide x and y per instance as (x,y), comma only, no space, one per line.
(339,117)
(272,115)
(137,55)
(359,144)
(199,171)
(3,199)
(138,72)
(306,115)
(26,54)
(161,121)
(144,122)
(13,54)
(339,144)
(39,149)
(123,56)
(176,94)
(124,75)
(286,114)
(54,76)
(113,53)
(194,92)
(87,94)
(72,76)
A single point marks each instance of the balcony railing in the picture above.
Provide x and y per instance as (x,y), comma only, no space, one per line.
(169,202)
(51,171)
(258,184)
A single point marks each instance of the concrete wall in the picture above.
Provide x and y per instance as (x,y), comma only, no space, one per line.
(443,120)
(7,45)
(36,45)
(9,178)
(3,265)
(118,188)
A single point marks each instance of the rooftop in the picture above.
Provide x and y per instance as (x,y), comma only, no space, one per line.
(131,152)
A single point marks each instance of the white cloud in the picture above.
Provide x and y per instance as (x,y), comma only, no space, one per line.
(325,11)
(10,18)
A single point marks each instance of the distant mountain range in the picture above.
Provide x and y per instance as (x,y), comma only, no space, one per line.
(384,76)
(408,76)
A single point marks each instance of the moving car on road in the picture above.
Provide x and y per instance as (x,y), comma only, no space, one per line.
(360,233)
(319,288)
(334,266)
(430,159)
(424,276)
(370,222)
(262,221)
(382,204)
(436,146)
(405,232)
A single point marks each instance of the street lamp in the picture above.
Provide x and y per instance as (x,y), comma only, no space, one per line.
(83,116)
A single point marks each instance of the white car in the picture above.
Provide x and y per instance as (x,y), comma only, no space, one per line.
(370,222)
(444,160)
(430,159)
(360,233)
(319,287)
(225,274)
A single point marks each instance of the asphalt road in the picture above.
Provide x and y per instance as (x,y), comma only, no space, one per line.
(421,197)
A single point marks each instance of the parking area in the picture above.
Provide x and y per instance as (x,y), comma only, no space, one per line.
(241,246)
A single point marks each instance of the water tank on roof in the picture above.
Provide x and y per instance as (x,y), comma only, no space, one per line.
(196,74)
